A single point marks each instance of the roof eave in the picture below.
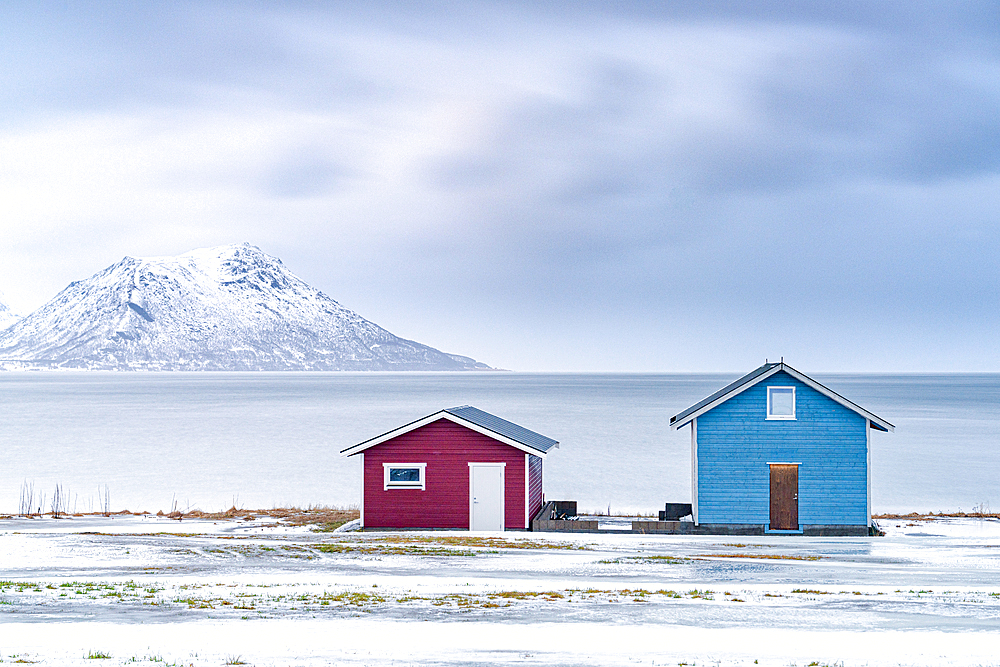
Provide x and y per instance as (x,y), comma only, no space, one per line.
(485,420)
(739,388)
(876,422)
(442,414)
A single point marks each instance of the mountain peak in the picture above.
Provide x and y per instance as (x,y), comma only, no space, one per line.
(220,263)
(7,316)
(231,307)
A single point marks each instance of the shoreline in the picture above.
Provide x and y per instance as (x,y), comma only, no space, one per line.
(333,517)
(930,516)
(329,518)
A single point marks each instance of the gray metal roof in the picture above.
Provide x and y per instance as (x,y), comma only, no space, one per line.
(759,374)
(473,418)
(503,427)
(749,377)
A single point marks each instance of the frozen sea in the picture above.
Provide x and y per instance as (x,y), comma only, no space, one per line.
(256,440)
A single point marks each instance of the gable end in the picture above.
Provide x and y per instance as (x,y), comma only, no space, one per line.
(759,375)
(535,444)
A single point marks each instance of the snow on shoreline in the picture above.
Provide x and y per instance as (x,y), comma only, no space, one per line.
(199,592)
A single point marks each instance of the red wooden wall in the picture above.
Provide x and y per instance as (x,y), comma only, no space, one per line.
(447,449)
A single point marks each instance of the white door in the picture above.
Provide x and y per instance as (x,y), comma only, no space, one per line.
(486,496)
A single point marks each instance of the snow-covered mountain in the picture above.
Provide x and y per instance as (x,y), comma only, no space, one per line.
(7,316)
(227,308)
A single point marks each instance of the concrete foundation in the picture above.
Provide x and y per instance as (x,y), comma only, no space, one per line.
(558,516)
(687,528)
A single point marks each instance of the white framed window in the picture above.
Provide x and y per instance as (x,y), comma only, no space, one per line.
(404,476)
(781,402)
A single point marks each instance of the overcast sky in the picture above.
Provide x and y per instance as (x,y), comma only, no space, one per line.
(542,186)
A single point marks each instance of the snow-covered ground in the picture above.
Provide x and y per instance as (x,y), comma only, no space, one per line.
(152,590)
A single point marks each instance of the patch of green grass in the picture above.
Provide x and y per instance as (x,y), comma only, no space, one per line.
(701,595)
(646,560)
(528,595)
(471,541)
(390,550)
(765,556)
(97,655)
(21,586)
(195,603)
(329,526)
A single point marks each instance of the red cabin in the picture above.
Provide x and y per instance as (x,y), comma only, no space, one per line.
(459,468)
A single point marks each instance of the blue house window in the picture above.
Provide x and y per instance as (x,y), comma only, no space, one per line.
(781,402)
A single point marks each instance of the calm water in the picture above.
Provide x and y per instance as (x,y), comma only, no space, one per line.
(212,440)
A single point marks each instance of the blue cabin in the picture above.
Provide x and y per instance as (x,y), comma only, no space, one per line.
(777,452)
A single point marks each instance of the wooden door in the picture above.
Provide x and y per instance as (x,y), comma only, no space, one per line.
(486,497)
(784,496)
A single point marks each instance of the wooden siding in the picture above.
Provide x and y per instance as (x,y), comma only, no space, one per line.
(447,449)
(534,486)
(736,442)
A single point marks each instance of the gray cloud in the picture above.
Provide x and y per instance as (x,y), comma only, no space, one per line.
(638,185)
(305,174)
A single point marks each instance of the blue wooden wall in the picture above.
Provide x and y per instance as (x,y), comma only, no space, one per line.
(736,442)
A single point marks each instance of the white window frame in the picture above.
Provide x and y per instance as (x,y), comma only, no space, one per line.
(790,417)
(386,484)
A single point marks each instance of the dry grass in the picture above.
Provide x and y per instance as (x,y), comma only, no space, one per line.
(328,518)
(931,516)
(435,545)
(65,515)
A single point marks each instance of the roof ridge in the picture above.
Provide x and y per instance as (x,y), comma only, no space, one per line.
(732,386)
(754,376)
(475,419)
